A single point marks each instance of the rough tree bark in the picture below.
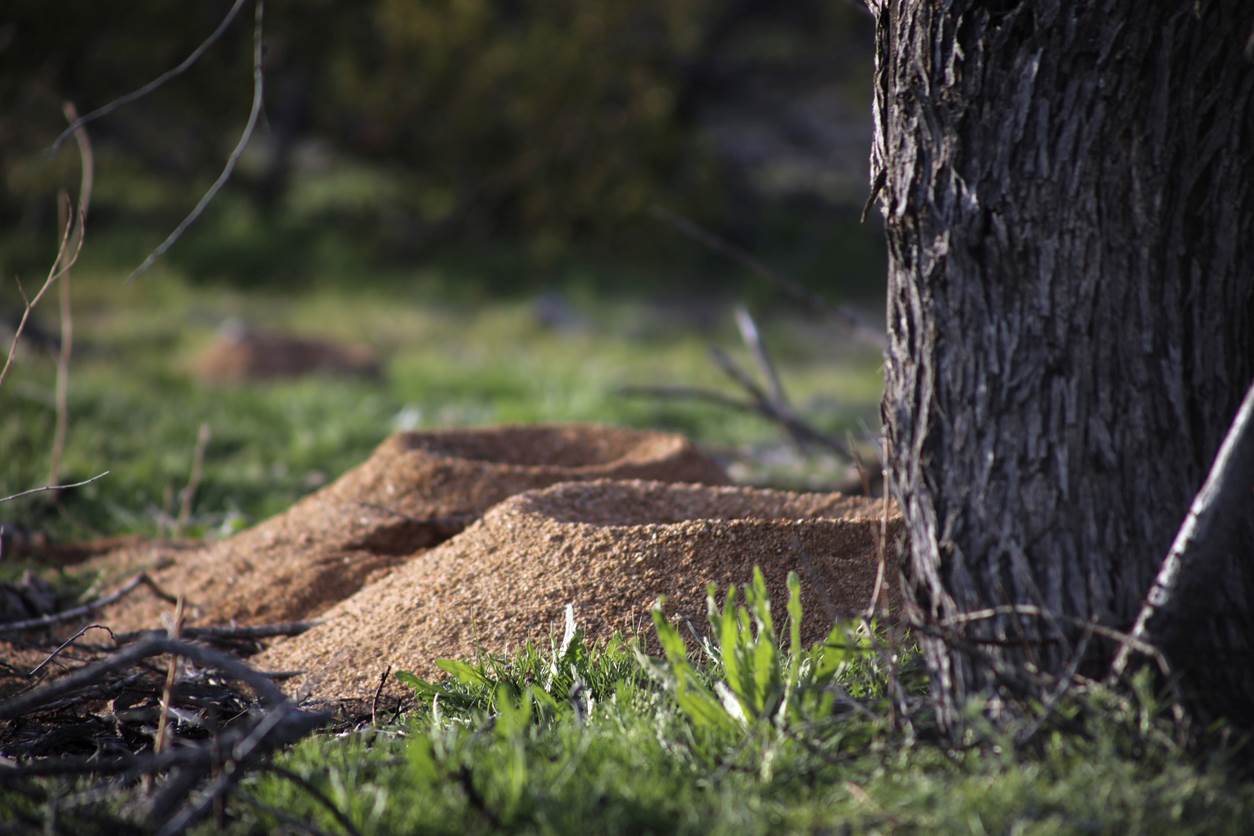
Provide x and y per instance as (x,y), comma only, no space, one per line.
(1068,192)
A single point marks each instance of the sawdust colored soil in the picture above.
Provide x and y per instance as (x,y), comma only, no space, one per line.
(610,548)
(416,490)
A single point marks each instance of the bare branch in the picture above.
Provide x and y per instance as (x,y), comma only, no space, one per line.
(801,431)
(46,488)
(1202,538)
(204,656)
(752,339)
(153,85)
(67,252)
(35,670)
(857,324)
(231,161)
(188,494)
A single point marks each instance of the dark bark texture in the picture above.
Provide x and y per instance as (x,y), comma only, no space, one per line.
(1068,191)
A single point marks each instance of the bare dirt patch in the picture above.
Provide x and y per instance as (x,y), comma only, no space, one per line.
(415,491)
(610,548)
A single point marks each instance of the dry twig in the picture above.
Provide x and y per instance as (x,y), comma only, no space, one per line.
(86,180)
(188,494)
(47,488)
(35,670)
(231,160)
(855,322)
(104,110)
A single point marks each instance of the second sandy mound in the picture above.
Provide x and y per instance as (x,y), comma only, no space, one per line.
(610,548)
(415,491)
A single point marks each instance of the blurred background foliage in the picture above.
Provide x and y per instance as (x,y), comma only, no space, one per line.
(515,137)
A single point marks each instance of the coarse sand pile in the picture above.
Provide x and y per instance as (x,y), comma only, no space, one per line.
(610,548)
(415,491)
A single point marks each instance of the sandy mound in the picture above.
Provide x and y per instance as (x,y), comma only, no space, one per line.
(610,548)
(416,490)
(241,353)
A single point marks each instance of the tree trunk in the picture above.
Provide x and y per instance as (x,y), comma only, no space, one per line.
(1068,191)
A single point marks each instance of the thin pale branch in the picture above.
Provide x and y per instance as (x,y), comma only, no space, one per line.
(156,83)
(1223,499)
(231,161)
(47,488)
(188,494)
(752,338)
(71,243)
(801,431)
(854,321)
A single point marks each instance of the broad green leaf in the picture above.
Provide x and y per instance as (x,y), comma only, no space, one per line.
(462,672)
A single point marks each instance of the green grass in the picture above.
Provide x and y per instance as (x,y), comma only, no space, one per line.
(748,734)
(742,732)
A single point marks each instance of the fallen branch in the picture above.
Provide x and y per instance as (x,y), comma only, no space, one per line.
(142,579)
(260,631)
(87,675)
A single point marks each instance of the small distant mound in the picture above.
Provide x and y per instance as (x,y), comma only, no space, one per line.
(415,491)
(241,353)
(610,548)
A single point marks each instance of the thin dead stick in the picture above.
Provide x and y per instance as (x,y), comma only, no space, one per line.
(35,670)
(1034,611)
(188,494)
(1223,499)
(374,703)
(85,182)
(881,551)
(236,152)
(857,324)
(801,431)
(63,383)
(47,488)
(64,256)
(153,85)
(752,338)
(171,672)
(1065,684)
(121,592)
